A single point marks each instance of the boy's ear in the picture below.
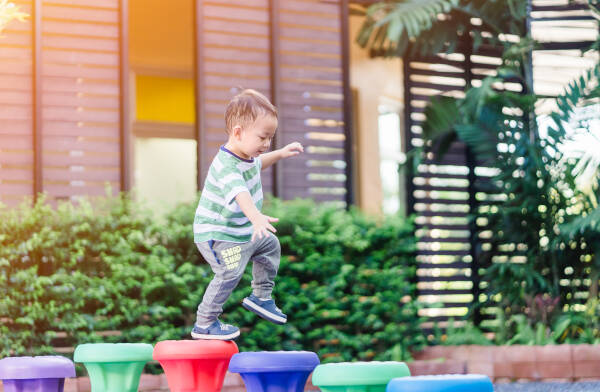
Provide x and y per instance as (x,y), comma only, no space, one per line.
(237,131)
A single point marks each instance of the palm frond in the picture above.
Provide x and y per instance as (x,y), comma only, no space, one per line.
(584,147)
(442,116)
(585,225)
(389,26)
(580,91)
(498,16)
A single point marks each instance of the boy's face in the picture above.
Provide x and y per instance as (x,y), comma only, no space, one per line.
(255,139)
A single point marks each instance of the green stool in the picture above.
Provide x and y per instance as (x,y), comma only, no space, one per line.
(357,376)
(114,366)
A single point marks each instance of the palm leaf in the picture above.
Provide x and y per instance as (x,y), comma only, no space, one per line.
(388,26)
(585,225)
(442,115)
(582,90)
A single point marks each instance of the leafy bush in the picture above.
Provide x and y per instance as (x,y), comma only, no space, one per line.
(73,274)
(458,335)
(570,326)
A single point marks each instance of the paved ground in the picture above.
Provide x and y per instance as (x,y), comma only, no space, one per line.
(549,387)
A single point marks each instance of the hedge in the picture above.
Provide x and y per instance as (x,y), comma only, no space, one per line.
(72,272)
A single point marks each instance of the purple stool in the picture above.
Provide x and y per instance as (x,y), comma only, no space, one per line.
(35,374)
(270,371)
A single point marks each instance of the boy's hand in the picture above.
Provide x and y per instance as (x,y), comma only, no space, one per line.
(291,150)
(261,224)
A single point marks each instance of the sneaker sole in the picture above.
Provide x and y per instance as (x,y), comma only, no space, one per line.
(251,306)
(203,336)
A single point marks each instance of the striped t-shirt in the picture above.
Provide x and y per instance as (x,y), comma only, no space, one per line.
(218,216)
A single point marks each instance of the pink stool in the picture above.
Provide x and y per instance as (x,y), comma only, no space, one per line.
(194,365)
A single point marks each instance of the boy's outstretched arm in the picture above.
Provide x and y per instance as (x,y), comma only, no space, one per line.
(260,222)
(272,157)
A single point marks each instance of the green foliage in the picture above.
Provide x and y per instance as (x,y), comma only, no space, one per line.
(533,206)
(70,274)
(436,26)
(539,232)
(389,26)
(579,326)
(570,326)
(457,335)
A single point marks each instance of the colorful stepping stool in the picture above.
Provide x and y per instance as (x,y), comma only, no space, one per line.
(194,365)
(442,383)
(39,374)
(281,371)
(358,376)
(114,366)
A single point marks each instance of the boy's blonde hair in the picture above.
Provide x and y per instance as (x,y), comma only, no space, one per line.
(244,109)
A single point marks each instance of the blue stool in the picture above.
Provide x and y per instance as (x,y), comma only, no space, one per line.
(40,374)
(443,383)
(274,370)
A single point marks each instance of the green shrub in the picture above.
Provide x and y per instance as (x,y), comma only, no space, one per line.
(70,274)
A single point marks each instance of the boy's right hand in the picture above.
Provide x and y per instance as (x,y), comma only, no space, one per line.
(261,223)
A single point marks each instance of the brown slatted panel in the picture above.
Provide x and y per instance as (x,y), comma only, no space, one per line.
(311,99)
(80,97)
(16,110)
(440,191)
(441,194)
(236,54)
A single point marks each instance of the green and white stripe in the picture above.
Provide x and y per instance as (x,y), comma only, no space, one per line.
(218,216)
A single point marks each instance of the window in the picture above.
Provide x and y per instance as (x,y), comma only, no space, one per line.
(390,158)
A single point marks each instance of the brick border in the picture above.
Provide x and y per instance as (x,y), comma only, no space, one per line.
(565,362)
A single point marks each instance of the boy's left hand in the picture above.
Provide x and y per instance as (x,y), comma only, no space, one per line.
(291,150)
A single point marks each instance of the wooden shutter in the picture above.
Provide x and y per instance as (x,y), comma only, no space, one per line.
(234,48)
(16,111)
(442,193)
(300,69)
(311,99)
(80,97)
(77,96)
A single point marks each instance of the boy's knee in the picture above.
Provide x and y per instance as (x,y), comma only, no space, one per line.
(230,274)
(274,245)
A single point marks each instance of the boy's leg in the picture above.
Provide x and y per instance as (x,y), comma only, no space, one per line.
(228,262)
(265,263)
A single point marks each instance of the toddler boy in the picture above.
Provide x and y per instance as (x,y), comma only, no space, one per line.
(229,229)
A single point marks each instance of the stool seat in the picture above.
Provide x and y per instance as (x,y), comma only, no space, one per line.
(273,361)
(194,349)
(114,366)
(47,366)
(113,352)
(40,374)
(268,371)
(194,365)
(442,383)
(358,376)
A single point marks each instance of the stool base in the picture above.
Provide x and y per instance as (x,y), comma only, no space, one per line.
(34,385)
(115,376)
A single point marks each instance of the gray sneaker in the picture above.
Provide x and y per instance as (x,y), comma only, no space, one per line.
(216,331)
(265,309)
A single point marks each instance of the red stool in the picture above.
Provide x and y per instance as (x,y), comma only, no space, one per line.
(194,365)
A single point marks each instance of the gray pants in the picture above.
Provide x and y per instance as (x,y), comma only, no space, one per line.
(228,261)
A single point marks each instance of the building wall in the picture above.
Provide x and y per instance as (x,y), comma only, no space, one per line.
(167,100)
(376,82)
(164,157)
(165,172)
